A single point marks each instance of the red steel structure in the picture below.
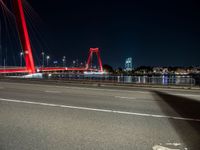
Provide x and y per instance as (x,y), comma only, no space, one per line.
(26,47)
(24,39)
(58,69)
(24,36)
(96,51)
(87,68)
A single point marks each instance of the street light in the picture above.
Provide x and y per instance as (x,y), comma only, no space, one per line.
(4,64)
(81,64)
(74,63)
(48,57)
(21,56)
(64,60)
(43,59)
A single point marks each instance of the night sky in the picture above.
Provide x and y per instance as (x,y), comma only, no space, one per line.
(153,32)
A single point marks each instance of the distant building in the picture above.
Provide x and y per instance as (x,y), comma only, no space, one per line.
(160,70)
(129,64)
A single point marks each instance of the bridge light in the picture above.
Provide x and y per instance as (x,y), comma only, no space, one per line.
(48,57)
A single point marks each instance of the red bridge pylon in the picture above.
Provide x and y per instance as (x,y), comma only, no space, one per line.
(91,52)
(24,36)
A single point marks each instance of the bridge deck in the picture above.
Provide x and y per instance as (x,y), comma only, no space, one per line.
(46,69)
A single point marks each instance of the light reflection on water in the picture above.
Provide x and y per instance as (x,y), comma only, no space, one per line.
(164,80)
(159,80)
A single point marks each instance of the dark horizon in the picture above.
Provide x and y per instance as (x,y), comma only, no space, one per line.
(153,33)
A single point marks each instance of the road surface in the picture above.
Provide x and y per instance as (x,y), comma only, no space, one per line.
(39,116)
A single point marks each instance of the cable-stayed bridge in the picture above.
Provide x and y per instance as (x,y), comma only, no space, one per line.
(25,43)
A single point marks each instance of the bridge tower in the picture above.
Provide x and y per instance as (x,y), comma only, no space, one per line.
(24,36)
(91,52)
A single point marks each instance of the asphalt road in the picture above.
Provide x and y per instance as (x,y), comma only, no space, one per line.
(48,117)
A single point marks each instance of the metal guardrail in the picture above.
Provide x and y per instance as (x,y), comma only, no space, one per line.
(145,80)
(164,80)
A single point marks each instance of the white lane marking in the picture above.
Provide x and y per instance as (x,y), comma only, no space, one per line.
(141,92)
(55,92)
(108,90)
(137,99)
(158,147)
(100,110)
(124,97)
(174,144)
